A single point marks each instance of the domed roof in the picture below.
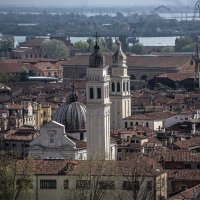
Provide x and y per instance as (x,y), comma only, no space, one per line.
(72,116)
(96,59)
(119,58)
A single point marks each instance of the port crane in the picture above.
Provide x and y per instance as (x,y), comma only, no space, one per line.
(196,10)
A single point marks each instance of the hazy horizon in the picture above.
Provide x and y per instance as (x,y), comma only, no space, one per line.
(96,3)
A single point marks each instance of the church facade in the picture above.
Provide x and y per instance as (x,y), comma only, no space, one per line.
(88,128)
(53,143)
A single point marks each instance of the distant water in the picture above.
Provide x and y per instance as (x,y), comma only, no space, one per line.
(146,41)
(167,15)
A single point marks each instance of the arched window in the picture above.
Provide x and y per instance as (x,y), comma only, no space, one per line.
(91,93)
(147,124)
(118,87)
(113,86)
(124,86)
(98,93)
(131,123)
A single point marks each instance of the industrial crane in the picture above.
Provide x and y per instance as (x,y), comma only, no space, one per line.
(196,9)
(157,11)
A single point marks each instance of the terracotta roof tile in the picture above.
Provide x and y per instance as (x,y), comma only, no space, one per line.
(177,76)
(186,144)
(22,134)
(139,61)
(189,194)
(184,174)
(36,42)
(151,116)
(175,156)
(146,167)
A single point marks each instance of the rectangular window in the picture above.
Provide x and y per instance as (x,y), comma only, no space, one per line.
(27,145)
(127,185)
(118,87)
(119,150)
(47,184)
(99,93)
(187,166)
(149,185)
(6,144)
(66,184)
(106,185)
(83,184)
(124,86)
(131,185)
(113,87)
(91,93)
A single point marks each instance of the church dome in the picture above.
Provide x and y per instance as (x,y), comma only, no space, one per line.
(119,58)
(96,59)
(72,116)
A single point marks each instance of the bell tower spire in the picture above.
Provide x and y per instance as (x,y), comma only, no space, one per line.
(98,107)
(119,89)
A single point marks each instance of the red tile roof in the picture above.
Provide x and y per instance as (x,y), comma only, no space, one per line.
(177,76)
(186,144)
(151,116)
(36,42)
(175,156)
(139,61)
(184,174)
(22,134)
(145,167)
(189,194)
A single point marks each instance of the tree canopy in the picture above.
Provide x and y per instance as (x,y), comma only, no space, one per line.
(55,49)
(184,44)
(6,43)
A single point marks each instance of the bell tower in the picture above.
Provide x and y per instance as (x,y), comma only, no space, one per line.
(119,89)
(98,107)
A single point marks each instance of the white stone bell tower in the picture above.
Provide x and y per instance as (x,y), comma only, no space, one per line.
(98,107)
(119,89)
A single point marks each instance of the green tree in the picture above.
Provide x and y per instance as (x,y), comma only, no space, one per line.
(6,43)
(24,73)
(82,45)
(91,44)
(168,49)
(109,43)
(15,178)
(137,48)
(183,44)
(54,49)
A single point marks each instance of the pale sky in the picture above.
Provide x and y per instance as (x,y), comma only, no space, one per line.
(61,3)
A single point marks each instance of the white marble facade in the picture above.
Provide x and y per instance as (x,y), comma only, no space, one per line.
(53,143)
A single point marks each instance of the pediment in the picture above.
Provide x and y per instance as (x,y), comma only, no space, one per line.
(52,125)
